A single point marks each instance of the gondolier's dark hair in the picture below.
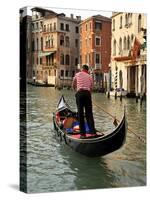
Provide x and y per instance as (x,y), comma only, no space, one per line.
(85,67)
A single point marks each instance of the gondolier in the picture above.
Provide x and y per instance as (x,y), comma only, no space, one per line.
(83,84)
(64,119)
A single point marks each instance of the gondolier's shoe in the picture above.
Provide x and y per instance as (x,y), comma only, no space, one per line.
(99,133)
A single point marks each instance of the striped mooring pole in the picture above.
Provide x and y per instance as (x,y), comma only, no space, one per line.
(116,79)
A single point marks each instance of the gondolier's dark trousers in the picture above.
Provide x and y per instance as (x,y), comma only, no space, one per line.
(84,105)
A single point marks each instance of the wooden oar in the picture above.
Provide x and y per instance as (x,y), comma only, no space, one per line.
(116,120)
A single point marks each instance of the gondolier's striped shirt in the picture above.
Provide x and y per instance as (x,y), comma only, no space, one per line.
(83,81)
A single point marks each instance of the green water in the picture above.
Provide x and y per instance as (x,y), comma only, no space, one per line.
(53,166)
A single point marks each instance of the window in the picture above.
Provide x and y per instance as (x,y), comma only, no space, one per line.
(73,73)
(62,59)
(76,43)
(67,41)
(125,43)
(67,59)
(62,73)
(97,60)
(67,27)
(46,42)
(139,23)
(77,29)
(37,42)
(130,19)
(132,37)
(90,44)
(126,20)
(80,59)
(54,26)
(33,73)
(114,48)
(40,61)
(113,28)
(37,25)
(66,73)
(33,47)
(76,61)
(52,41)
(50,27)
(128,43)
(98,26)
(97,41)
(47,60)
(89,58)
(120,46)
(44,28)
(61,26)
(90,25)
(120,22)
(62,40)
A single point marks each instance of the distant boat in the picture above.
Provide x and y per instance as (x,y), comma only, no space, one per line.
(118,92)
(92,145)
(37,84)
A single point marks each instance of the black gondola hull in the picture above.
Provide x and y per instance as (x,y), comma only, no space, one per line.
(98,146)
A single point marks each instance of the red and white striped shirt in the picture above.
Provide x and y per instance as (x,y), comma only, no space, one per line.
(83,81)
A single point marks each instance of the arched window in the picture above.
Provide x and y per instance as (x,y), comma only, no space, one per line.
(62,40)
(62,59)
(120,45)
(67,41)
(139,23)
(128,43)
(130,18)
(37,42)
(49,42)
(114,48)
(52,41)
(132,37)
(120,78)
(125,43)
(126,20)
(67,59)
(121,22)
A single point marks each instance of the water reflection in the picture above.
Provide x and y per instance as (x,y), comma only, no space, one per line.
(53,166)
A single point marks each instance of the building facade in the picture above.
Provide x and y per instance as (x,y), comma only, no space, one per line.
(95,46)
(128,53)
(38,16)
(56,44)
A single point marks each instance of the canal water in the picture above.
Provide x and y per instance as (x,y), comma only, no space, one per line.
(52,166)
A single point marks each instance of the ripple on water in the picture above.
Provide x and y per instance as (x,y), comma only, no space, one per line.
(53,166)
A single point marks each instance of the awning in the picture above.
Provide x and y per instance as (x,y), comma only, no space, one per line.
(46,53)
(123,58)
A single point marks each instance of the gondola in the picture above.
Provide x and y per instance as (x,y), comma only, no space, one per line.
(66,128)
